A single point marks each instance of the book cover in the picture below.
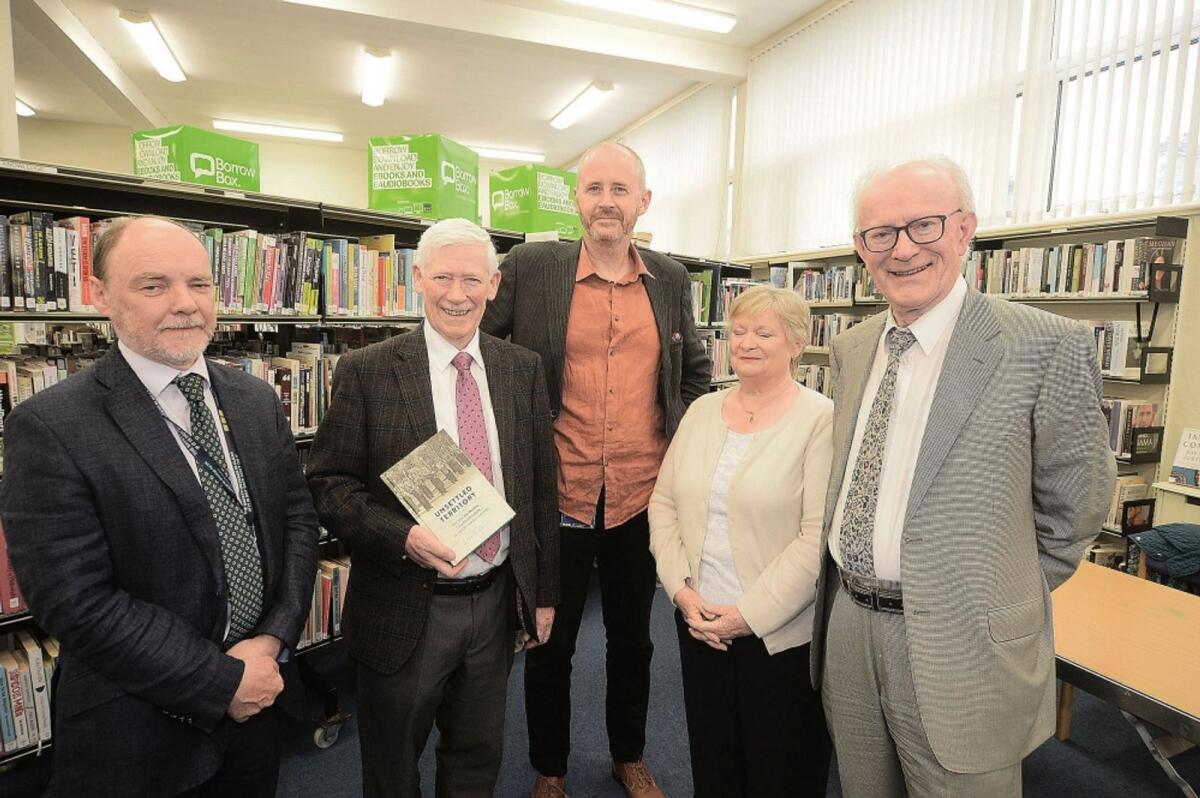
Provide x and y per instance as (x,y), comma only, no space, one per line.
(445,493)
(1185,470)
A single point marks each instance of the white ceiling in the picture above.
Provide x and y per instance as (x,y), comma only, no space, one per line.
(484,72)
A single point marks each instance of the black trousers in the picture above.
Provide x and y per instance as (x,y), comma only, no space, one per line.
(253,751)
(755,725)
(627,585)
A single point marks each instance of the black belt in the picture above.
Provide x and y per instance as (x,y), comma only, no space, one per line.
(467,585)
(866,591)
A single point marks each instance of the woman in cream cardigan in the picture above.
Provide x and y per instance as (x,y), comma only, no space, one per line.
(735,528)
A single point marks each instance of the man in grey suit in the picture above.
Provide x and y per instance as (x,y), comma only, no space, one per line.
(971,469)
(433,640)
(159,524)
(613,325)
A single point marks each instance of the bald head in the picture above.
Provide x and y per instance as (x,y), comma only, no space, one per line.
(613,148)
(154,225)
(922,170)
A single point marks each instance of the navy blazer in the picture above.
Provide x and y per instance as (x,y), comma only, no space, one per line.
(117,553)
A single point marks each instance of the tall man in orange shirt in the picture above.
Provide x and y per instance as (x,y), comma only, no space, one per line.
(614,327)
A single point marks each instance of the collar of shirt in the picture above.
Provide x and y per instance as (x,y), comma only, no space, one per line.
(442,352)
(157,376)
(933,324)
(586,268)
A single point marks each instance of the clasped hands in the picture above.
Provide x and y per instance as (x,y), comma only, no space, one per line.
(714,624)
(261,682)
(423,548)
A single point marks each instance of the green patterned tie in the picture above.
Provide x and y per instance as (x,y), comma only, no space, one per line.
(239,547)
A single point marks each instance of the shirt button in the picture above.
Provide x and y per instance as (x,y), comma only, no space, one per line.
(612,353)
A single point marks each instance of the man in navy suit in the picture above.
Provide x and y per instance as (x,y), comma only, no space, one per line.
(160,527)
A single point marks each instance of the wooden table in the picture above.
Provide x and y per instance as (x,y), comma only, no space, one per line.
(1135,644)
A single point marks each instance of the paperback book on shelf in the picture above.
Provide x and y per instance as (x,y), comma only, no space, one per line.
(1185,470)
(448,495)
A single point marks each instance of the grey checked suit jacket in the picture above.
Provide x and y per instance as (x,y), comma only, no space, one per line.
(382,409)
(534,301)
(116,549)
(1012,482)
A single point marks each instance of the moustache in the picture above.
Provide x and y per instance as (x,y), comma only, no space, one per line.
(196,322)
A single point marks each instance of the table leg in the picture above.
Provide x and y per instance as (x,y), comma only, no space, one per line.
(1066,692)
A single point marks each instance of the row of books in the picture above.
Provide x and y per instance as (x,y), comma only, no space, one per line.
(12,602)
(45,263)
(1125,417)
(27,667)
(824,328)
(1118,267)
(302,379)
(370,277)
(717,346)
(1128,488)
(829,284)
(1118,348)
(701,283)
(329,596)
(730,290)
(815,377)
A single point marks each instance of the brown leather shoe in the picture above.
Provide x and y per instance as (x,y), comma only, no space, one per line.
(636,779)
(549,787)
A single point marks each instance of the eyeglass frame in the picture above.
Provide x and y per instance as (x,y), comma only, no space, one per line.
(896,231)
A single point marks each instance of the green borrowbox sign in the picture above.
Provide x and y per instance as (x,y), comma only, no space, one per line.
(186,154)
(534,199)
(428,176)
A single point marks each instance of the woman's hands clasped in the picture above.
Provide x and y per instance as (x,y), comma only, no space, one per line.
(714,624)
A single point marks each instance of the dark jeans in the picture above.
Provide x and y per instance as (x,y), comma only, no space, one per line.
(755,725)
(627,585)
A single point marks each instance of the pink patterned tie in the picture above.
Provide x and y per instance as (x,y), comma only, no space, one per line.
(472,436)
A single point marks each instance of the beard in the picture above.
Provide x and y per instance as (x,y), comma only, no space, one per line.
(607,235)
(156,345)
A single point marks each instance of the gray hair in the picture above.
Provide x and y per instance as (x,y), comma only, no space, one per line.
(936,163)
(104,245)
(452,232)
(637,159)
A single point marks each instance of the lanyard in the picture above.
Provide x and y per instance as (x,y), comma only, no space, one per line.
(240,493)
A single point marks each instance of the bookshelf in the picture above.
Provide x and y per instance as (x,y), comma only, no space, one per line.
(64,192)
(714,284)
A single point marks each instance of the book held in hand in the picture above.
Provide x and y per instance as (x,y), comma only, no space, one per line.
(448,495)
(1186,467)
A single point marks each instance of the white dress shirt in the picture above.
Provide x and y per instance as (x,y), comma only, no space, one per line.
(443,381)
(157,377)
(916,381)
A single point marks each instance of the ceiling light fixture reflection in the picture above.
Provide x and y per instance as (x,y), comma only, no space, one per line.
(666,11)
(277,130)
(376,76)
(508,155)
(23,109)
(148,37)
(596,93)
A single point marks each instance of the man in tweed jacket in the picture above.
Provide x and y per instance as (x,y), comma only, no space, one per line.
(430,639)
(968,478)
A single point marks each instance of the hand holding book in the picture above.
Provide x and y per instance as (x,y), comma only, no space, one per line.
(424,548)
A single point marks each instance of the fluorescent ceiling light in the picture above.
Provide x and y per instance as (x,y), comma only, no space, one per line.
(146,34)
(277,130)
(23,109)
(666,11)
(376,75)
(508,155)
(596,93)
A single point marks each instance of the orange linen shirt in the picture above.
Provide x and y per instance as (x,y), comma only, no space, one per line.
(609,430)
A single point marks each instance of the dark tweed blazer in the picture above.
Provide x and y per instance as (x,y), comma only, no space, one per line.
(381,410)
(535,299)
(1012,482)
(116,549)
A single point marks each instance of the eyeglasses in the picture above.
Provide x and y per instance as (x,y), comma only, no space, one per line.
(925,230)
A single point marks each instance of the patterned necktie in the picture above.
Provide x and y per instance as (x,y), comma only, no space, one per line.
(857,537)
(239,547)
(472,436)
